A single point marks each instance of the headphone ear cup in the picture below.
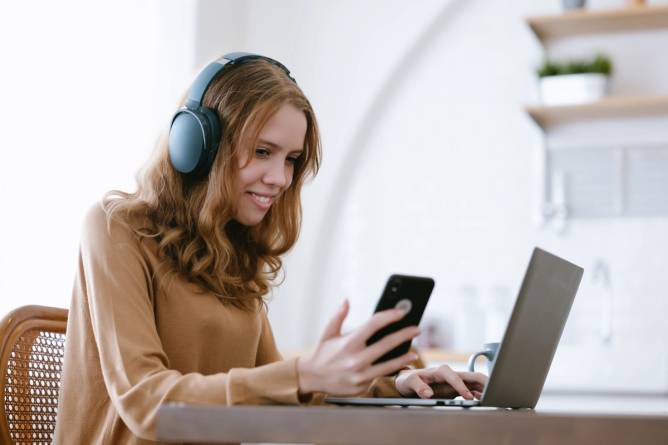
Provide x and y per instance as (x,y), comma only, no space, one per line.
(213,133)
(187,137)
(193,140)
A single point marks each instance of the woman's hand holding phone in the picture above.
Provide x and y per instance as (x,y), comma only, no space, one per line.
(343,365)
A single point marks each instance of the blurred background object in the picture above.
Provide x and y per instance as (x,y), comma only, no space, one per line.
(574,82)
(573,4)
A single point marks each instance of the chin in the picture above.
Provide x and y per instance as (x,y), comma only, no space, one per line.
(249,220)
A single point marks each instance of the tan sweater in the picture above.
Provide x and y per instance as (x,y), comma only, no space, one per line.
(133,345)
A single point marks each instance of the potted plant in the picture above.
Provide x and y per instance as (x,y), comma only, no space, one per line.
(574,82)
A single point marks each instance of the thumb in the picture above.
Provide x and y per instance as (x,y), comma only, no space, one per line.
(420,388)
(333,328)
(425,391)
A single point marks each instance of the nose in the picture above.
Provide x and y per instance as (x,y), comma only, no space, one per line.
(278,174)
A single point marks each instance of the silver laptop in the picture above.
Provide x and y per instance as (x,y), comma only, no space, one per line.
(525,354)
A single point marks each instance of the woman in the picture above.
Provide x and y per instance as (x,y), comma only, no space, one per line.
(168,300)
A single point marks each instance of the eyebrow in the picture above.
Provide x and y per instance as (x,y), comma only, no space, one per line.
(276,146)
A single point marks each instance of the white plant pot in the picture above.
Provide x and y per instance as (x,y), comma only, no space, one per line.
(569,89)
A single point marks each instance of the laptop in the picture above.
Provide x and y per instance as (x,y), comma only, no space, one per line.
(518,372)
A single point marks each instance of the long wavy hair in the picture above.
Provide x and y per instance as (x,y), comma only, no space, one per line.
(192,220)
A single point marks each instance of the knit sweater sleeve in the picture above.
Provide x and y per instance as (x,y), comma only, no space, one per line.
(115,283)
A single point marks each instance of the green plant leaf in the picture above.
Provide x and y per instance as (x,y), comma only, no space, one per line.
(599,64)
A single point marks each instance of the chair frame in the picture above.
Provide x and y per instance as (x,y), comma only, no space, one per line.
(12,327)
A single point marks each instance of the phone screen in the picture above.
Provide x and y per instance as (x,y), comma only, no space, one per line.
(409,293)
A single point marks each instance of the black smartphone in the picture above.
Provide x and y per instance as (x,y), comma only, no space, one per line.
(409,293)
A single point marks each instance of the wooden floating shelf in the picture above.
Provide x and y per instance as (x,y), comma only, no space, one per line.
(578,22)
(612,107)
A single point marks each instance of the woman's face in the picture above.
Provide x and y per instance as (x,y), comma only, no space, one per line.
(262,179)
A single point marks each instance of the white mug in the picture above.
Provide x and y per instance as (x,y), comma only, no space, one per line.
(489,351)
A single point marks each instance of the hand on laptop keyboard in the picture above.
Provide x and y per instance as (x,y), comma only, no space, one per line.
(440,382)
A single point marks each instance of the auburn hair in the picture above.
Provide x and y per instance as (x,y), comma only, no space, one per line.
(192,219)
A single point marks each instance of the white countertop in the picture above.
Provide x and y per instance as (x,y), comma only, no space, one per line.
(604,403)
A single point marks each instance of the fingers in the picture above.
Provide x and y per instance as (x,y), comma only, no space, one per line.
(333,328)
(443,380)
(389,342)
(418,386)
(448,375)
(378,321)
(474,378)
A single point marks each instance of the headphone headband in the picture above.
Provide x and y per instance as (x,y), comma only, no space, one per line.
(204,79)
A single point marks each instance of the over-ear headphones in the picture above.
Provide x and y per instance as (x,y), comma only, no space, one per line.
(195,131)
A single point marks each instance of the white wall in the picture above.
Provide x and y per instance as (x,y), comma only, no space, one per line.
(431,167)
(86,89)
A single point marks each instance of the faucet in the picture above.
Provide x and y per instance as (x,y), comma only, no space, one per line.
(601,277)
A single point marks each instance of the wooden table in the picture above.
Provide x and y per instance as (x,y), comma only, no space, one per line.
(361,425)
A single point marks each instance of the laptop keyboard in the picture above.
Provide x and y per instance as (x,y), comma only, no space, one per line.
(457,402)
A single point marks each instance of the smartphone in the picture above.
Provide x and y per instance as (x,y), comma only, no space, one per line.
(409,293)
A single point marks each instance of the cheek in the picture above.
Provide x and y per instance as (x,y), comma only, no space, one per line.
(248,175)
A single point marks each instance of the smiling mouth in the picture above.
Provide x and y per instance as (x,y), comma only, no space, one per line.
(262,201)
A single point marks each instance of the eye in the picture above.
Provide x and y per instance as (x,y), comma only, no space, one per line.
(293,160)
(262,152)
